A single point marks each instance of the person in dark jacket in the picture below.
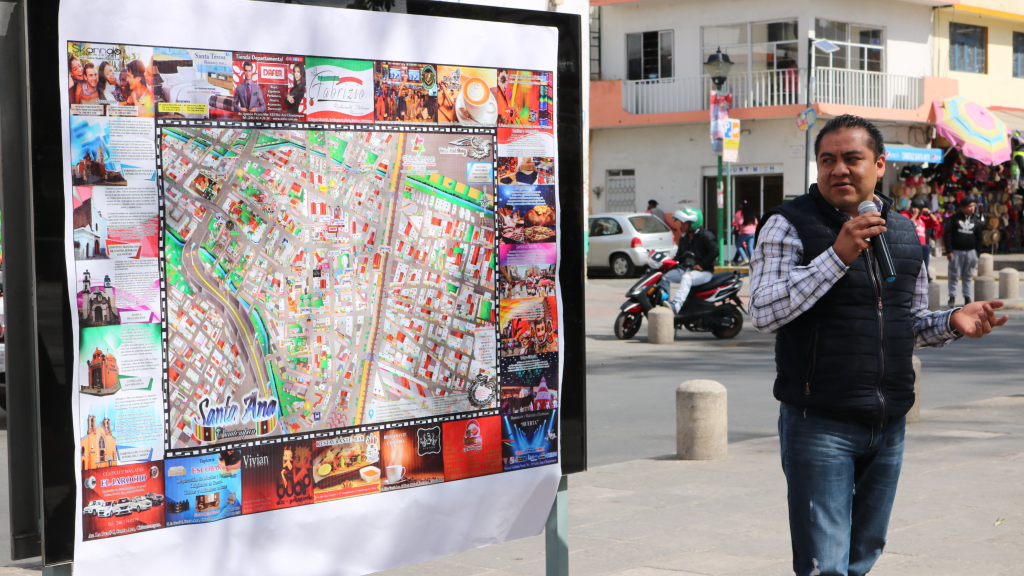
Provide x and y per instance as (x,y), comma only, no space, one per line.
(701,242)
(844,347)
(963,242)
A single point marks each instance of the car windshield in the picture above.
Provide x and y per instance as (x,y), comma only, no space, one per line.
(648,225)
(122,501)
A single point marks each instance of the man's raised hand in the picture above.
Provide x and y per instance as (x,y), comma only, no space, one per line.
(856,234)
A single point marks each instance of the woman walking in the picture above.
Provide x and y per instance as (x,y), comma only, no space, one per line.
(745,222)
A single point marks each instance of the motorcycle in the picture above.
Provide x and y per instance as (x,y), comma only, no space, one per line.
(710,307)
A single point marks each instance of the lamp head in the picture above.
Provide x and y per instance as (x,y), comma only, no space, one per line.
(718,66)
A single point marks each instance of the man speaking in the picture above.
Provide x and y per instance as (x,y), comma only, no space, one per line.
(845,336)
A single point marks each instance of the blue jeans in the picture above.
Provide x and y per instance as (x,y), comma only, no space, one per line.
(842,477)
(744,247)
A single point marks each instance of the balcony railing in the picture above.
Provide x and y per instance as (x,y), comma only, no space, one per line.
(869,89)
(774,88)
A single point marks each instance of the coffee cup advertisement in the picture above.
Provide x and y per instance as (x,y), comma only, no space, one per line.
(204,488)
(345,466)
(413,456)
(466,96)
(120,500)
(472,448)
(278,475)
(529,439)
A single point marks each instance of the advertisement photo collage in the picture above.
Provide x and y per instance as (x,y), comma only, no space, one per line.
(300,279)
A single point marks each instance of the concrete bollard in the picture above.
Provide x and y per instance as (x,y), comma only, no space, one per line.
(985,265)
(1009,284)
(934,295)
(661,327)
(914,415)
(984,288)
(702,422)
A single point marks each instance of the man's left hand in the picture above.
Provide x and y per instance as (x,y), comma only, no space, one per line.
(977,318)
(698,268)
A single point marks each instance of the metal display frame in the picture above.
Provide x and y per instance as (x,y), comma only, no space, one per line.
(40,355)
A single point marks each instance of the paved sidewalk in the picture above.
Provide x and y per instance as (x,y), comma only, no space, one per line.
(959,510)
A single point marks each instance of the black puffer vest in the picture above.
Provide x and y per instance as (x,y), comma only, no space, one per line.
(850,354)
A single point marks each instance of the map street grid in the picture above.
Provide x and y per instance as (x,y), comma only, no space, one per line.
(354,270)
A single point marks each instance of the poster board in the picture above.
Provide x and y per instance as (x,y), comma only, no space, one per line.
(193,178)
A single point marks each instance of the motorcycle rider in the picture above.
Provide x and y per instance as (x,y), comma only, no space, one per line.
(702,243)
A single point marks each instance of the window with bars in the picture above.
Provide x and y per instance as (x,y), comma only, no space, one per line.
(1018,54)
(860,47)
(968,45)
(595,42)
(753,46)
(649,55)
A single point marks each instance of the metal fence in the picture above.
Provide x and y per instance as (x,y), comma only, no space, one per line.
(775,88)
(870,89)
(621,194)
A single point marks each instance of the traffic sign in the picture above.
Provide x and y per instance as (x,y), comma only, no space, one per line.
(806,119)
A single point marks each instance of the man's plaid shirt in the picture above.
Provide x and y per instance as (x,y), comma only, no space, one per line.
(781,289)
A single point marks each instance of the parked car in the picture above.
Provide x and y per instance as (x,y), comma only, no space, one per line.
(623,241)
(142,502)
(125,507)
(156,499)
(93,508)
(107,510)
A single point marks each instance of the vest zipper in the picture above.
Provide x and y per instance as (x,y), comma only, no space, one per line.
(873,265)
(812,354)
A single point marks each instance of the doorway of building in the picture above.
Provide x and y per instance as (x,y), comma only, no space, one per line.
(621,193)
(763,192)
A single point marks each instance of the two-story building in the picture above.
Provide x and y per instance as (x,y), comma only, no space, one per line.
(649,112)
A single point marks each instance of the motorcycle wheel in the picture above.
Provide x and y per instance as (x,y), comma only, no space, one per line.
(737,325)
(627,325)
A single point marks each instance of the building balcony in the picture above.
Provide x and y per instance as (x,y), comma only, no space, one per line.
(766,94)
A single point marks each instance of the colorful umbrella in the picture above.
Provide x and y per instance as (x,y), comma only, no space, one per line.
(972,129)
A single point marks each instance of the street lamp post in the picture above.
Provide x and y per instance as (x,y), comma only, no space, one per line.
(717,67)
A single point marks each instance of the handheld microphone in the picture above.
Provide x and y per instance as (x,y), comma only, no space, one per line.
(880,245)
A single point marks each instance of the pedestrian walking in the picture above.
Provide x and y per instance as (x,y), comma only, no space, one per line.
(745,222)
(963,242)
(653,210)
(844,346)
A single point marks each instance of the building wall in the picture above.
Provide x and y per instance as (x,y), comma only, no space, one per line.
(997,87)
(669,161)
(908,45)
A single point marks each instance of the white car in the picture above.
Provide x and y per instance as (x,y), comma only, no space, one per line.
(623,241)
(125,507)
(142,502)
(106,510)
(93,508)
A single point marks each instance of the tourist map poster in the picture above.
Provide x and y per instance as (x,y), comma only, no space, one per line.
(314,278)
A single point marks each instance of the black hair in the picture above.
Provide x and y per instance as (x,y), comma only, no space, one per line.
(875,139)
(749,217)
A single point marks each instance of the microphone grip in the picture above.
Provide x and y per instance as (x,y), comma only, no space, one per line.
(885,265)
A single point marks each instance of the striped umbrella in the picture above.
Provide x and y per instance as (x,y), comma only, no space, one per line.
(972,129)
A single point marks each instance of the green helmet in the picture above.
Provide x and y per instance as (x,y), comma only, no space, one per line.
(689,215)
